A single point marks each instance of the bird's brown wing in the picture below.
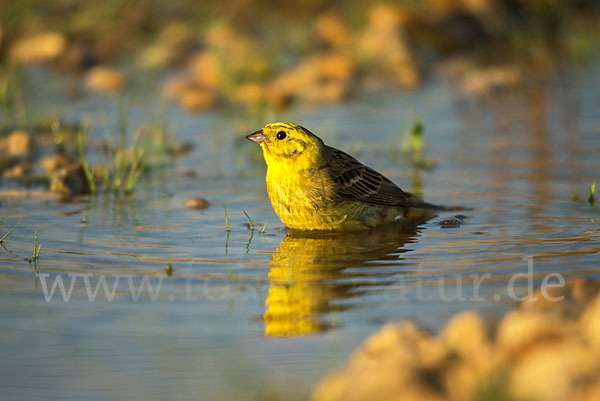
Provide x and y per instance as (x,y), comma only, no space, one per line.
(352,180)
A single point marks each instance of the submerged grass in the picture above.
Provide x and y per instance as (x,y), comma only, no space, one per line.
(416,141)
(10,231)
(84,162)
(413,142)
(136,166)
(123,166)
(36,248)
(249,220)
(591,195)
(122,163)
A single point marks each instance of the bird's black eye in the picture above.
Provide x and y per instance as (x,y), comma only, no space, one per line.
(281,135)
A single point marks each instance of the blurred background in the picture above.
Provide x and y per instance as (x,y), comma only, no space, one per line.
(266,55)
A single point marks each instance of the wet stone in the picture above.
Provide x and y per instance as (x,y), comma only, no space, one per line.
(453,222)
(54,163)
(18,143)
(198,204)
(70,181)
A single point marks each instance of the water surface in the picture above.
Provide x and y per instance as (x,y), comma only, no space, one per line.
(247,314)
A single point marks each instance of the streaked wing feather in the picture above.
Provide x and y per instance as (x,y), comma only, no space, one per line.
(352,180)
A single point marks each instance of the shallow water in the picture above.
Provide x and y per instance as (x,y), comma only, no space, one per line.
(247,314)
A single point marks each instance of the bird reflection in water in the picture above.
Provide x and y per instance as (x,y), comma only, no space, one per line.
(310,272)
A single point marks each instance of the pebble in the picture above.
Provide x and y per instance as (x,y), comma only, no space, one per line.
(198,204)
(19,143)
(54,163)
(103,79)
(70,181)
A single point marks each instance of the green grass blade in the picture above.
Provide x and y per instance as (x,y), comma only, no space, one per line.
(84,163)
(35,245)
(226,219)
(249,220)
(10,231)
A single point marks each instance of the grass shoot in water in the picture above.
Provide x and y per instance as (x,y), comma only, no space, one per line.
(36,248)
(249,220)
(416,139)
(81,149)
(121,166)
(226,219)
(10,231)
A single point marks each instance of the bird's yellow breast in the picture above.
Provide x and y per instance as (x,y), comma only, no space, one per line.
(302,201)
(299,198)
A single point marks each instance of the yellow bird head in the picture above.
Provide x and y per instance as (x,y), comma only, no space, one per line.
(288,145)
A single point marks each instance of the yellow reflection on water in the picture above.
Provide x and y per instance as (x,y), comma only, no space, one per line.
(309,273)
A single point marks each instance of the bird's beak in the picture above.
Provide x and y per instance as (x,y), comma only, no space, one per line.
(257,137)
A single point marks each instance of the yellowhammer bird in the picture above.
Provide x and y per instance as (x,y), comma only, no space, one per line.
(313,186)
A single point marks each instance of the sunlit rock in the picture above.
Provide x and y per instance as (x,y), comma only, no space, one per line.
(589,324)
(249,94)
(195,99)
(104,79)
(330,28)
(331,388)
(521,329)
(40,47)
(53,163)
(383,46)
(466,334)
(466,337)
(319,79)
(197,203)
(205,69)
(553,371)
(389,366)
(19,143)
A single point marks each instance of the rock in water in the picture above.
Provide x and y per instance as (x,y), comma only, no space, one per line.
(70,181)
